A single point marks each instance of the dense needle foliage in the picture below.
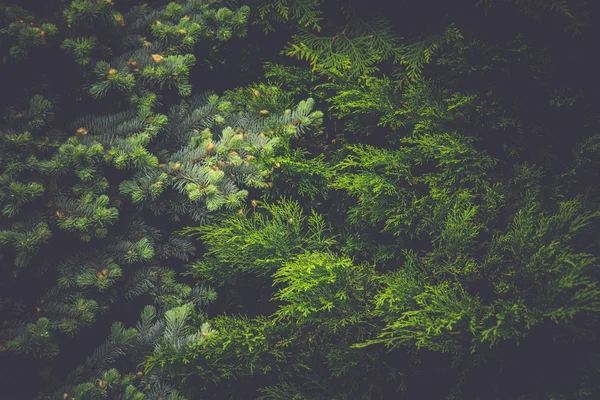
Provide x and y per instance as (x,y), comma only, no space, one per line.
(299,199)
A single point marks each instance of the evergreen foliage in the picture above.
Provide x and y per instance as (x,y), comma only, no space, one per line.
(306,12)
(398,206)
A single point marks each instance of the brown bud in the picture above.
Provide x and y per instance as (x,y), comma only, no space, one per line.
(139,374)
(157,58)
(60,214)
(220,163)
(100,276)
(176,166)
(19,115)
(254,203)
(120,20)
(240,211)
(105,271)
(81,132)
(256,92)
(234,154)
(187,17)
(129,251)
(210,147)
(146,43)
(277,165)
(112,72)
(132,64)
(250,158)
(66,396)
(161,165)
(102,384)
(264,112)
(38,310)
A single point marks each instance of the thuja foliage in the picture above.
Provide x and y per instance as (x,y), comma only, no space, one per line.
(399,206)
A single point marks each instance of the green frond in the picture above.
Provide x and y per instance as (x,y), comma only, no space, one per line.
(416,55)
(358,46)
